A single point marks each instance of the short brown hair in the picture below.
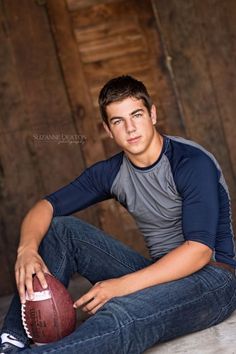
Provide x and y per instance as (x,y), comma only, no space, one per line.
(119,88)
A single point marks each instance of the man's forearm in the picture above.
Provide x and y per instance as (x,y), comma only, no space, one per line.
(182,261)
(35,225)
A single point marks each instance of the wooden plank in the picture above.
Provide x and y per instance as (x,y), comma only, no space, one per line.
(186,31)
(75,80)
(79,4)
(19,189)
(10,94)
(33,102)
(111,47)
(218,37)
(87,31)
(45,110)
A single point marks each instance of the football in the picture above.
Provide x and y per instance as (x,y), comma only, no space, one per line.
(50,316)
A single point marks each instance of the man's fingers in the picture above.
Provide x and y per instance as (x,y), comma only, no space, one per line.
(85,299)
(29,284)
(46,270)
(17,276)
(94,310)
(41,277)
(91,305)
(21,285)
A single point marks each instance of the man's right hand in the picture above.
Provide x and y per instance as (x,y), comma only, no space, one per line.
(27,264)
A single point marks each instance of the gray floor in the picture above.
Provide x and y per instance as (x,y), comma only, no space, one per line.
(220,339)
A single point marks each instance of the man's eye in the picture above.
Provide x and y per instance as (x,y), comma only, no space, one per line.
(138,115)
(116,122)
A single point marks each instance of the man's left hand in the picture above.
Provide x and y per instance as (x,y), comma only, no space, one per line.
(100,293)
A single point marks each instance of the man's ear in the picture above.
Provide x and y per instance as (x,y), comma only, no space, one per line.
(106,127)
(154,114)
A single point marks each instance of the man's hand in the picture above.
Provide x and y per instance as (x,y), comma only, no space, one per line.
(27,264)
(100,293)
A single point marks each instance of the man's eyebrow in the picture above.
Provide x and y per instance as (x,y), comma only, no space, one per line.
(136,111)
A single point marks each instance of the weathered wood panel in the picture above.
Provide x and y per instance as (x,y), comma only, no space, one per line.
(219,43)
(200,38)
(79,4)
(33,106)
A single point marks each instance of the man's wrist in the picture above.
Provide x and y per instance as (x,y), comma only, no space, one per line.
(32,247)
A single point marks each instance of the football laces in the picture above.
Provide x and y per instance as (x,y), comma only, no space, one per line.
(38,296)
(24,321)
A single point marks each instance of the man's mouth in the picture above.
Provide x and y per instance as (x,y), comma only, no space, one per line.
(133,140)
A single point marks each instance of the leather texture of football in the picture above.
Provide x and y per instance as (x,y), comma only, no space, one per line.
(50,316)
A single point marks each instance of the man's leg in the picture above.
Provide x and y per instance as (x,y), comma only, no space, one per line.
(71,246)
(133,323)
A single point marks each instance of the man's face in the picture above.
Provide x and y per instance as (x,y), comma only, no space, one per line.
(131,125)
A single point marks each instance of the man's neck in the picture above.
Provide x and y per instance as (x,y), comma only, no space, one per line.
(149,157)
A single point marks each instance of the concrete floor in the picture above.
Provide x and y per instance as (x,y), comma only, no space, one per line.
(220,339)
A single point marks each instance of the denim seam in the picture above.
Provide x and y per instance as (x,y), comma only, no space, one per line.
(88,339)
(77,342)
(189,302)
(95,246)
(66,250)
(110,255)
(186,303)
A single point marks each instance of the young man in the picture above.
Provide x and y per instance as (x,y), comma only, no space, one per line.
(176,192)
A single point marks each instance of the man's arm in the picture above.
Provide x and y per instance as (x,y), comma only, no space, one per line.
(181,262)
(29,262)
(92,186)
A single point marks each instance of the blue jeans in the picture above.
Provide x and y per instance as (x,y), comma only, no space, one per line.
(131,323)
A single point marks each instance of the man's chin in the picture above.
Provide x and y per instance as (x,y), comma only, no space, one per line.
(133,152)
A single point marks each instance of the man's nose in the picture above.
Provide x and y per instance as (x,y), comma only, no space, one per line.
(130,126)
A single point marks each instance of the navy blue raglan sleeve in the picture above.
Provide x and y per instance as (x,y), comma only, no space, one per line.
(197,181)
(92,186)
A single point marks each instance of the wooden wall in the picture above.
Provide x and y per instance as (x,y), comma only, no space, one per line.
(54,57)
(33,105)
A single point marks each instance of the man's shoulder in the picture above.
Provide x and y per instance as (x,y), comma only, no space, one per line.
(105,171)
(187,144)
(185,149)
(188,158)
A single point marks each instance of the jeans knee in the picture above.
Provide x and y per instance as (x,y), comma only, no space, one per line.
(62,220)
(57,249)
(67,231)
(117,308)
(69,222)
(56,235)
(62,226)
